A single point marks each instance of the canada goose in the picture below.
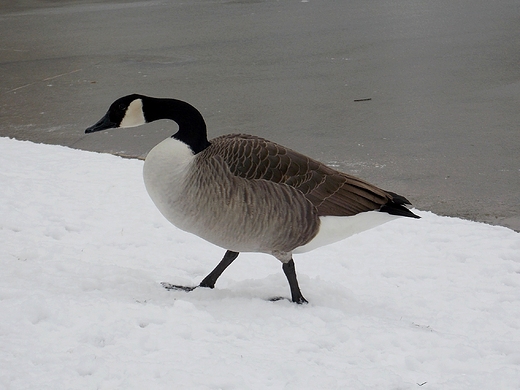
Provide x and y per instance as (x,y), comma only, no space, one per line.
(247,194)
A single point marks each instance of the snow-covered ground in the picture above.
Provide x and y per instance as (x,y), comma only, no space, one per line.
(431,303)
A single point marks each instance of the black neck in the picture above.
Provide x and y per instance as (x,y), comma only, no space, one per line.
(192,128)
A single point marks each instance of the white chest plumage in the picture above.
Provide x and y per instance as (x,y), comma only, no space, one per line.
(164,172)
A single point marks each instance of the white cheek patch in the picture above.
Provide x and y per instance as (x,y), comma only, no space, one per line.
(134,115)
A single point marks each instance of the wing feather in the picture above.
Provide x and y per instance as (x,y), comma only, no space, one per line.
(330,191)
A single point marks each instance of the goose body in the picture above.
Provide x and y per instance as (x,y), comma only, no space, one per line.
(247,194)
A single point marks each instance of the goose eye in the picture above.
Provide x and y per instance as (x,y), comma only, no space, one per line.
(122,106)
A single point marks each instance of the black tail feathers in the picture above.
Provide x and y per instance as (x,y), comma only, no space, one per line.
(396,206)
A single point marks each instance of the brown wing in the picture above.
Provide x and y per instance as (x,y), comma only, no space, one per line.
(330,191)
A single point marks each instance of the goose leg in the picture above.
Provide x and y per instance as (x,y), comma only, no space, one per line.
(211,279)
(290,273)
(208,281)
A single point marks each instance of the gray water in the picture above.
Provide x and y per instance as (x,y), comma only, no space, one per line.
(442,125)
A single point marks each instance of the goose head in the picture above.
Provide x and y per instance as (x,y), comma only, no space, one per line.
(124,112)
(136,110)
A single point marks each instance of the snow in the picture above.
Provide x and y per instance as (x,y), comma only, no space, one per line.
(431,303)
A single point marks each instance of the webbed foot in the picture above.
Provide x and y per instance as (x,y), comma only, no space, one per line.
(169,286)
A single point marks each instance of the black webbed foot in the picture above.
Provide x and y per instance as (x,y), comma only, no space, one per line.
(299,301)
(210,280)
(169,286)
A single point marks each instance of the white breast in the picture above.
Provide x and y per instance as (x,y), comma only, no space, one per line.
(164,173)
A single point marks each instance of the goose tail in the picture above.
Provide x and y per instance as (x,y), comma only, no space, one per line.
(397,206)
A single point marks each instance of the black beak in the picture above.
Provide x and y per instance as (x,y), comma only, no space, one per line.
(103,124)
